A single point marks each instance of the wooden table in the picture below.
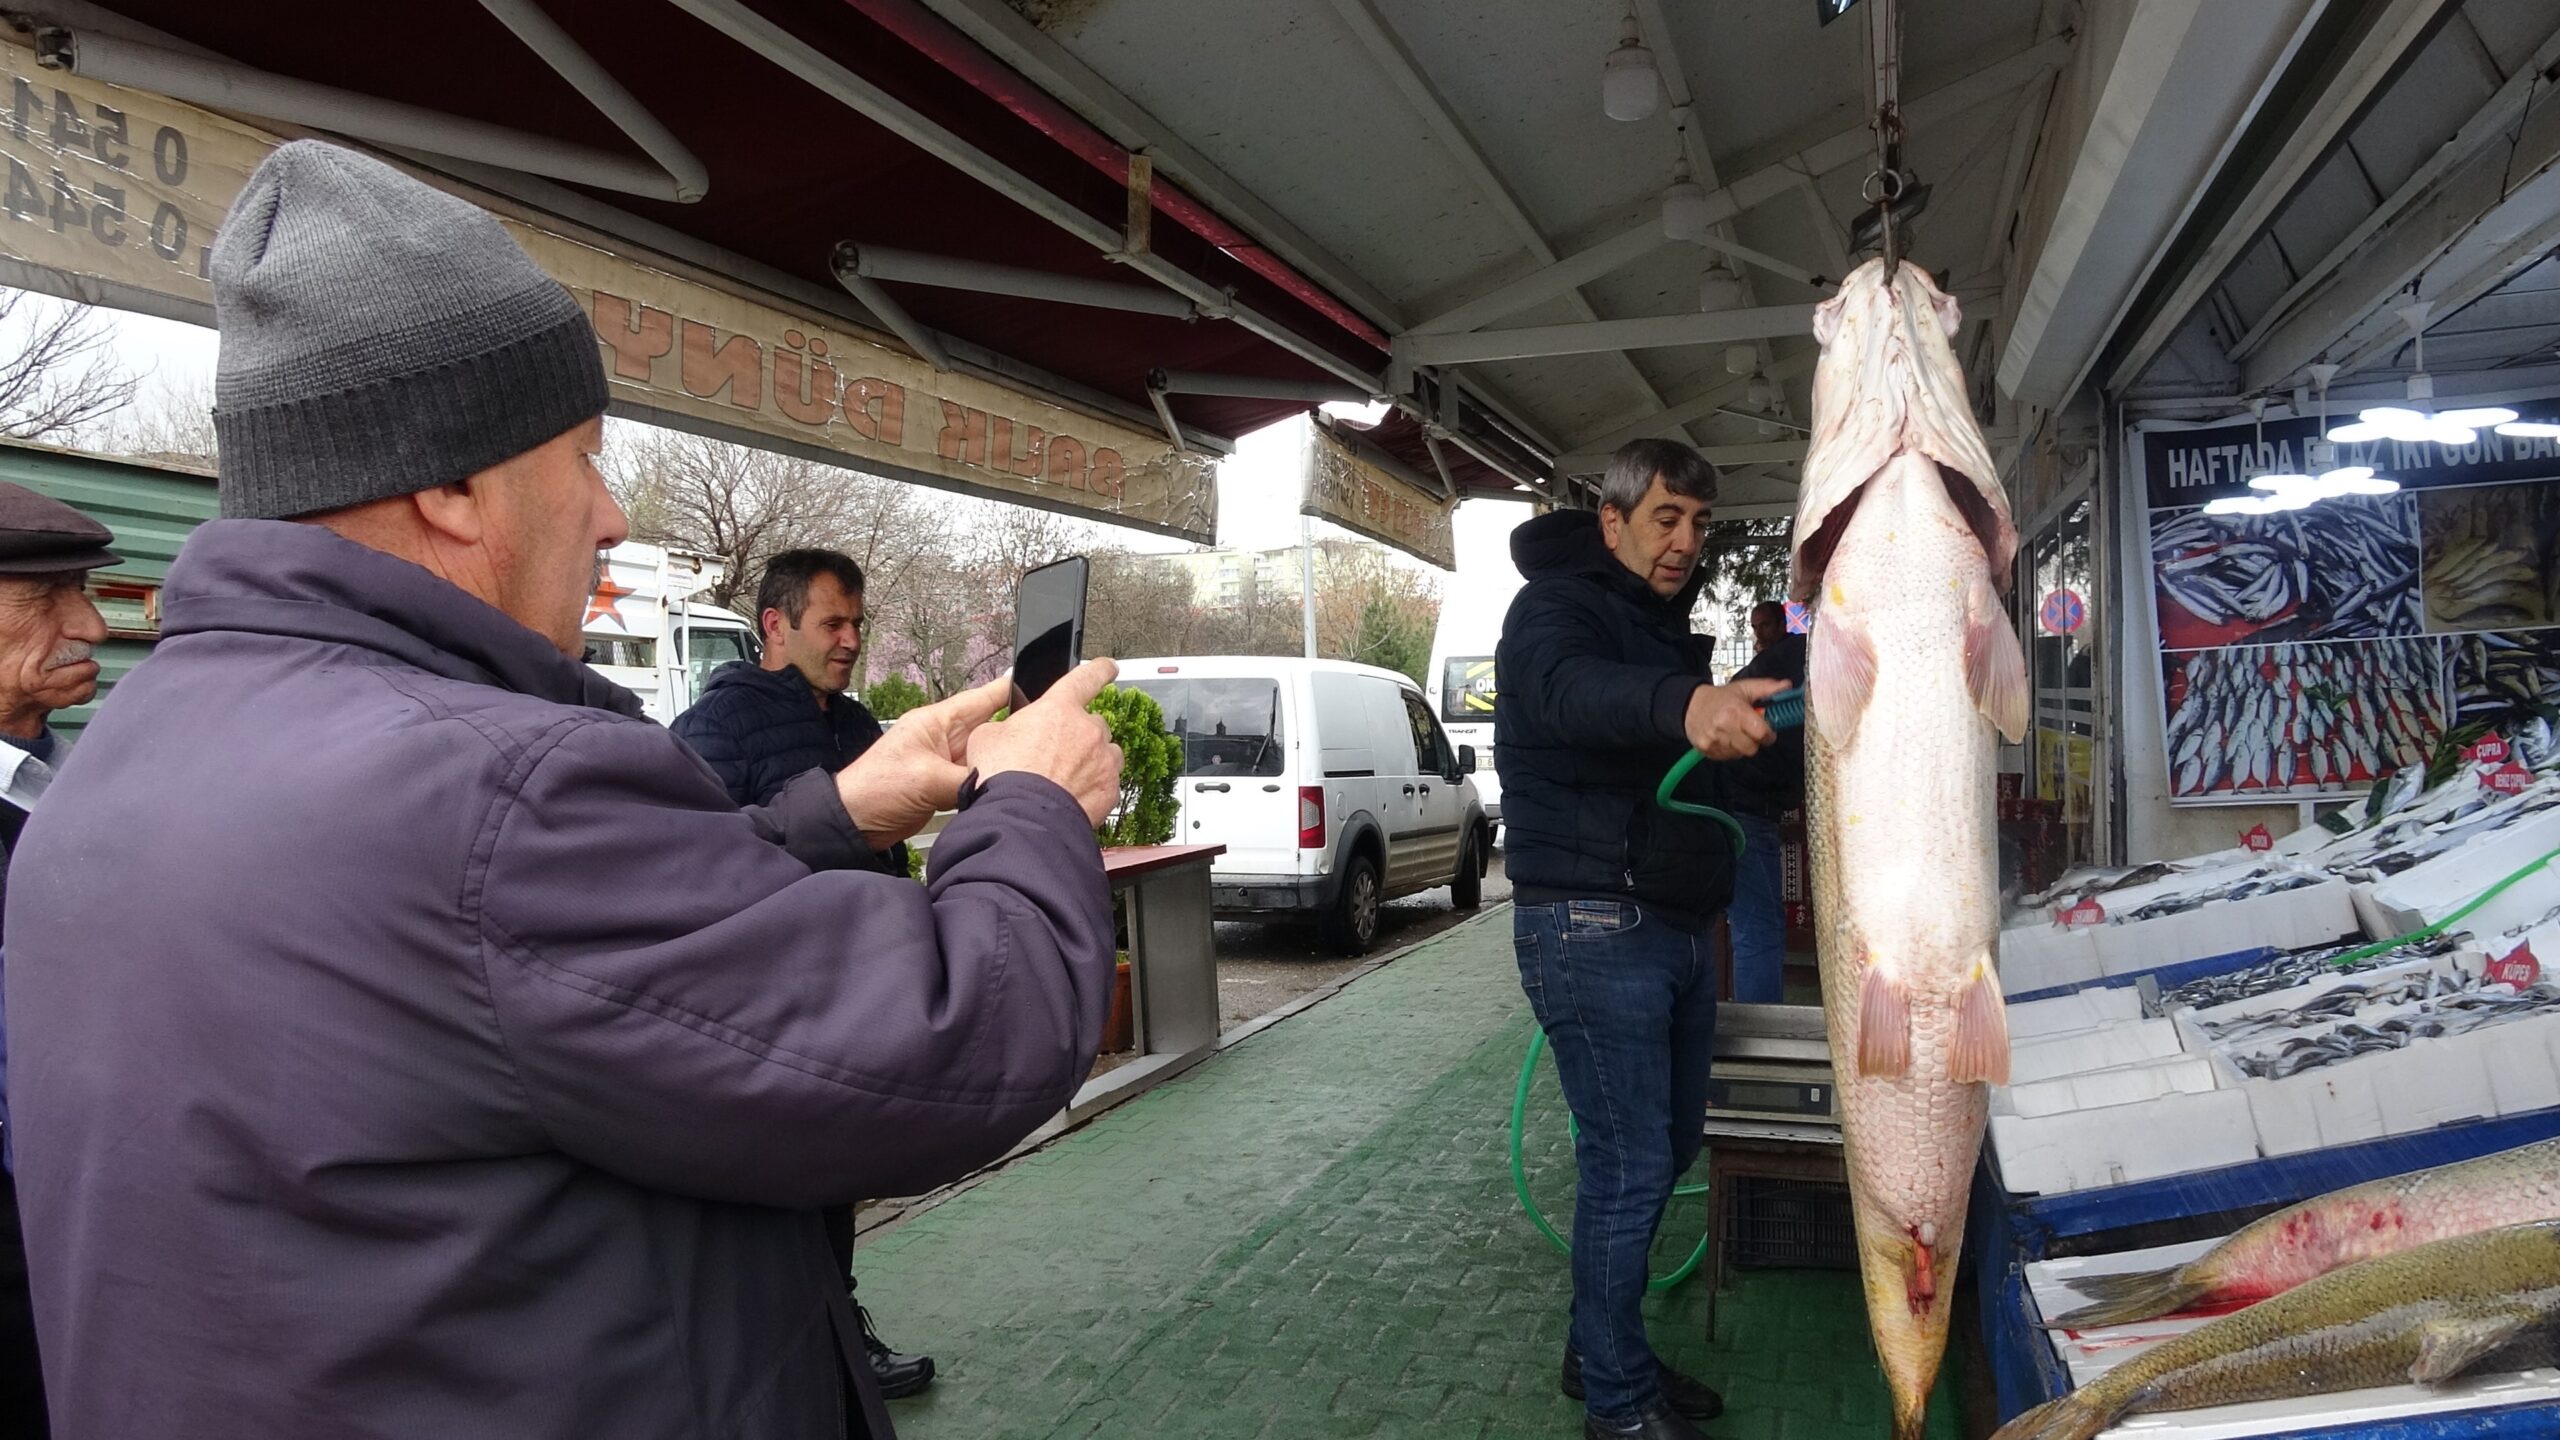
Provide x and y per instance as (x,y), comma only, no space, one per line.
(1173,961)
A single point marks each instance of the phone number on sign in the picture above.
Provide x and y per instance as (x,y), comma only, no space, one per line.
(61,132)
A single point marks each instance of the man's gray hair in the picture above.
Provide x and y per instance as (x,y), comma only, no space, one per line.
(1683,470)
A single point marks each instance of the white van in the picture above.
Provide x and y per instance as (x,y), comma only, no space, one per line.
(1331,785)
(646,633)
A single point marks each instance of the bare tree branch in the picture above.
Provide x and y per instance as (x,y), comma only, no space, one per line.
(58,368)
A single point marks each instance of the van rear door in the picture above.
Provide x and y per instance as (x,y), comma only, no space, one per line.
(1235,732)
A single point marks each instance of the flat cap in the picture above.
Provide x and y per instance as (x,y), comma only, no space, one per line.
(40,535)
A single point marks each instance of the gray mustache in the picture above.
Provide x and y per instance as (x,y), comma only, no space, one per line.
(71,653)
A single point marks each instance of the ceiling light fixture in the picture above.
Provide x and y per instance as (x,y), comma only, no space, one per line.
(2296,490)
(1719,288)
(1684,206)
(2421,421)
(1630,88)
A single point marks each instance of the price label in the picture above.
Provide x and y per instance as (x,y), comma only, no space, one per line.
(2257,838)
(2087,912)
(2517,968)
(2508,779)
(2489,749)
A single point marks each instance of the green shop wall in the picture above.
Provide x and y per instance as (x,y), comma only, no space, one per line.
(151,508)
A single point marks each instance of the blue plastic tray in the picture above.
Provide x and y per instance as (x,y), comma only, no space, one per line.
(2169,976)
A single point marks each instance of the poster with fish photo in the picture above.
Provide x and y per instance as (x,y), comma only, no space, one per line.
(2345,569)
(2497,674)
(2490,557)
(2300,719)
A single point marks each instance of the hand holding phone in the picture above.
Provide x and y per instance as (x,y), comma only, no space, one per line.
(1048,627)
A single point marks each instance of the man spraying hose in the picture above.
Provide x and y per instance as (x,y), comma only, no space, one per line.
(1604,688)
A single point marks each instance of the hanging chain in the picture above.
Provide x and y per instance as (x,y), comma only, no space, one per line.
(1883,188)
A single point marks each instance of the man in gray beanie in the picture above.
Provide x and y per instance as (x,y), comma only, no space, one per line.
(459,1059)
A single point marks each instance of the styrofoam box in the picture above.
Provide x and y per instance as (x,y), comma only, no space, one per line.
(2432,1083)
(2317,1109)
(2127,1042)
(2099,1089)
(2287,920)
(2424,894)
(2083,1010)
(2087,1149)
(2043,956)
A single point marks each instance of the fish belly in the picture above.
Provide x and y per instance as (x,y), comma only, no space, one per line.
(1901,822)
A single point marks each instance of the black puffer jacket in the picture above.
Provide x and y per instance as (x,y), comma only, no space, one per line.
(761,729)
(1771,783)
(1596,672)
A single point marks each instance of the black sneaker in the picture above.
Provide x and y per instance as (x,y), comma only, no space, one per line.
(1659,1423)
(899,1375)
(1686,1394)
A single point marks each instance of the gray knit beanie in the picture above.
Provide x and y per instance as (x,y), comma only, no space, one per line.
(380,337)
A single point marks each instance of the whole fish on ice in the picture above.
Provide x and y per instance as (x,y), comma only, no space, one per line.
(2488,1302)
(2298,1243)
(1903,540)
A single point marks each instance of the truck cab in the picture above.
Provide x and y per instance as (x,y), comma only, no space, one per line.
(646,632)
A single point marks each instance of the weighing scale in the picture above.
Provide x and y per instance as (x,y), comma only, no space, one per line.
(1772,1068)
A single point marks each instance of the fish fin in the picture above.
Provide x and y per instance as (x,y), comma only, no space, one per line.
(2073,1417)
(2123,1299)
(1995,669)
(2448,1347)
(1884,1025)
(1840,670)
(1981,1047)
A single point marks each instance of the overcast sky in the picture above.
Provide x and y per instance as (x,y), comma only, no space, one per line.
(1258,487)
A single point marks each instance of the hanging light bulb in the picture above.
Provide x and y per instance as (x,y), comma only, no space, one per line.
(1684,206)
(1763,392)
(1740,360)
(2420,421)
(1719,288)
(1630,88)
(2297,490)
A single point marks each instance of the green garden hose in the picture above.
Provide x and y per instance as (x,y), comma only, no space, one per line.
(1520,1177)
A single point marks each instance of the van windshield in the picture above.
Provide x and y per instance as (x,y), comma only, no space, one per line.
(1227,727)
(1466,690)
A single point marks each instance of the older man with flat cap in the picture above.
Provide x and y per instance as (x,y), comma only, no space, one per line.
(465,1062)
(48,630)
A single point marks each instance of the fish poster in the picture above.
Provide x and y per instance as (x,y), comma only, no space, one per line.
(2313,651)
(2272,721)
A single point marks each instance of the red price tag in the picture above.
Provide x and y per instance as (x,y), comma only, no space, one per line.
(2257,838)
(2517,968)
(2508,779)
(2489,749)
(2087,912)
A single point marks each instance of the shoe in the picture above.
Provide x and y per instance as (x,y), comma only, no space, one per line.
(1683,1393)
(899,1375)
(1659,1423)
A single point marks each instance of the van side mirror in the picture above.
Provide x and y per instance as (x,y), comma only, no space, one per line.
(1466,759)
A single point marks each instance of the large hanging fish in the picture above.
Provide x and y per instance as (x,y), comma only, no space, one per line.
(1903,540)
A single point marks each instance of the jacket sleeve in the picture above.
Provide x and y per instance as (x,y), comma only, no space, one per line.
(686,1006)
(710,726)
(1557,676)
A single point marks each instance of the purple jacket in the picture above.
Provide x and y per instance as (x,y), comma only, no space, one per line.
(410,1040)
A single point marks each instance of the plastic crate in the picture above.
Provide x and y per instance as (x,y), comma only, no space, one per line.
(1792,1224)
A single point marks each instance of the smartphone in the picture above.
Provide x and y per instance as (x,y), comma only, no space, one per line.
(1048,627)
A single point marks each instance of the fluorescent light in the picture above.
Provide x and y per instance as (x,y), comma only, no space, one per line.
(2278,482)
(1365,414)
(2240,505)
(2444,427)
(2530,430)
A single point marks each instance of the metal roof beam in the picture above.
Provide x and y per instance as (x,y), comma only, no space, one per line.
(1653,332)
(1407,75)
(2355,78)
(1818,156)
(1593,452)
(2491,122)
(2495,190)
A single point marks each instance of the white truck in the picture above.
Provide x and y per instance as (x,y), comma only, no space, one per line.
(646,632)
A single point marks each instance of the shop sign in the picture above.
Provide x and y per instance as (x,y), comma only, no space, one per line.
(2062,613)
(1360,494)
(2489,749)
(2189,465)
(2086,912)
(2517,967)
(2256,838)
(112,196)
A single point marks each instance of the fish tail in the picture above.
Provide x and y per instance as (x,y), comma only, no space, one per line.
(2122,1299)
(2063,1419)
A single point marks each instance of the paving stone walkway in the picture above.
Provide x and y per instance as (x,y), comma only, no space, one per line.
(1315,1234)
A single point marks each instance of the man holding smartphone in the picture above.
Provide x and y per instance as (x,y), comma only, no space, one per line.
(762,726)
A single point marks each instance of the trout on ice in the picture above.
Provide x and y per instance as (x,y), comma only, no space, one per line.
(2490,1300)
(2277,1252)
(1904,543)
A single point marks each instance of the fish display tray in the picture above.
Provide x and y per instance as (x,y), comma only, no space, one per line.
(1787,1224)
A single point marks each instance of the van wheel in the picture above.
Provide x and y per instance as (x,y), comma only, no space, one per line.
(1351,926)
(1466,889)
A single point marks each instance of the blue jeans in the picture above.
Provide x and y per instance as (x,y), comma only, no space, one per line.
(1629,1006)
(1758,917)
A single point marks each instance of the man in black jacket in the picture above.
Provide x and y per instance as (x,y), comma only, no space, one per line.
(1603,689)
(1760,791)
(762,726)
